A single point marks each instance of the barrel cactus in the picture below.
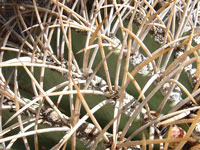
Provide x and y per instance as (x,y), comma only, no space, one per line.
(99,74)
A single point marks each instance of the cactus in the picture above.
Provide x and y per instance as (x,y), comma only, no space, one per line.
(99,74)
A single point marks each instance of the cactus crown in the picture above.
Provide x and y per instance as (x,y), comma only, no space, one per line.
(100,74)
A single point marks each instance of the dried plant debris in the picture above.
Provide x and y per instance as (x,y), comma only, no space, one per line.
(175,97)
(158,34)
(51,118)
(137,59)
(191,75)
(196,132)
(176,132)
(87,133)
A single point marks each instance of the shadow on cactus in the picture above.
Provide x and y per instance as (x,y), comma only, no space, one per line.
(99,75)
